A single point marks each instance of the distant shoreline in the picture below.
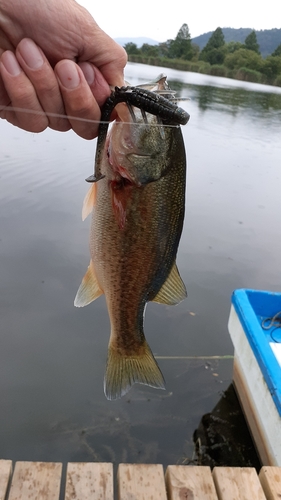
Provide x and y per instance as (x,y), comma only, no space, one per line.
(242,74)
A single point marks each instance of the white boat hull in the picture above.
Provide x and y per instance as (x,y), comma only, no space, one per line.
(261,411)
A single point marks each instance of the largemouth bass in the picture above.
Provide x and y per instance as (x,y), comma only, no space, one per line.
(137,218)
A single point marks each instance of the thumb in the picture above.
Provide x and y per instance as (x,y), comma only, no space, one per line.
(107,55)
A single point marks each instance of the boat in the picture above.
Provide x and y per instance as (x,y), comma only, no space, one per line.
(255,329)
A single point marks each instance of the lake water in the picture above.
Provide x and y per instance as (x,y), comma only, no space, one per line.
(52,355)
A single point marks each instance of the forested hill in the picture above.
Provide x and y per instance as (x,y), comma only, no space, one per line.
(268,40)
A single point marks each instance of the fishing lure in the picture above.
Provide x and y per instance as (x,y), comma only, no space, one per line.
(148,102)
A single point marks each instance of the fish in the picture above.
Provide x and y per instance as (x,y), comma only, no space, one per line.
(137,208)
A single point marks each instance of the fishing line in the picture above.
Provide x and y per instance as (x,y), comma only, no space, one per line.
(273,321)
(69,117)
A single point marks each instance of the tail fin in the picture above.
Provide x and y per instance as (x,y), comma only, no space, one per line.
(123,371)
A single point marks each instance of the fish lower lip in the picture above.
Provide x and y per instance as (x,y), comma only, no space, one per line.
(93,178)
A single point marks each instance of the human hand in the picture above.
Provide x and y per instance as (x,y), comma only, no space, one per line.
(64,32)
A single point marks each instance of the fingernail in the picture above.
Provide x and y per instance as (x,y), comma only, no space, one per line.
(68,74)
(30,54)
(10,63)
(88,71)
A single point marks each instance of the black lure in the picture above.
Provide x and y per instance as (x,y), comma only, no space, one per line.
(147,101)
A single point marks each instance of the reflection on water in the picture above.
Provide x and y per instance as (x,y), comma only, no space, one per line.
(52,355)
(234,99)
(231,100)
(144,427)
(223,437)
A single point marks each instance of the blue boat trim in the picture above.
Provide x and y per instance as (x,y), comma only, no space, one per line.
(252,307)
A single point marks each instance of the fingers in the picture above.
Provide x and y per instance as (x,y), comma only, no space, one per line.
(81,106)
(98,85)
(113,68)
(37,68)
(35,96)
(4,97)
(107,55)
(21,96)
(32,89)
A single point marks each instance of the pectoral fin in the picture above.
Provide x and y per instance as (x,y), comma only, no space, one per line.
(89,201)
(173,291)
(89,289)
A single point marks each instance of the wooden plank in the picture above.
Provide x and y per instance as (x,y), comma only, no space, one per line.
(89,481)
(237,483)
(5,474)
(141,482)
(36,481)
(270,478)
(190,482)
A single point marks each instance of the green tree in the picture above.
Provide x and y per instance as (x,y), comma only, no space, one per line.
(149,50)
(243,58)
(215,49)
(196,51)
(233,46)
(215,56)
(164,48)
(277,51)
(216,40)
(271,67)
(251,42)
(131,48)
(181,46)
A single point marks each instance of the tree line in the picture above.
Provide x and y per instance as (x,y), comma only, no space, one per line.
(238,60)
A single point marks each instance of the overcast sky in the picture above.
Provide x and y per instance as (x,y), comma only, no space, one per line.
(162,20)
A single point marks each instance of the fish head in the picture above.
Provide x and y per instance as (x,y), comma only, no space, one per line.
(138,146)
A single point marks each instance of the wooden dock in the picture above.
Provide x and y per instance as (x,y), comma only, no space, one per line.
(94,481)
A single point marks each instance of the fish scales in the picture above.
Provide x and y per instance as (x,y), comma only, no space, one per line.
(144,243)
(135,231)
